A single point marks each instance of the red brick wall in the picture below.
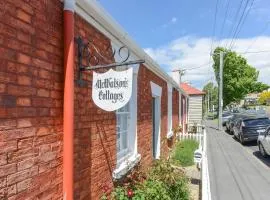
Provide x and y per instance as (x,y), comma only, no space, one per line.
(95,129)
(145,114)
(31,99)
(31,82)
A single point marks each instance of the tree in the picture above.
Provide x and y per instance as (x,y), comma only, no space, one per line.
(239,78)
(211,92)
(264,98)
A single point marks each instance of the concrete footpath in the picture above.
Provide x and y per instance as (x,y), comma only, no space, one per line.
(235,174)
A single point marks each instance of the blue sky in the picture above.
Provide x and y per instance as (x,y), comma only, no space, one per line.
(174,32)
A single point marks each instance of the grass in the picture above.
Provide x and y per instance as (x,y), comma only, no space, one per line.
(184,152)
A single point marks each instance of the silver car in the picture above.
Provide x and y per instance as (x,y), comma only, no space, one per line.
(264,142)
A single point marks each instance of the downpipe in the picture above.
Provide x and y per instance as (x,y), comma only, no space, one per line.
(68,107)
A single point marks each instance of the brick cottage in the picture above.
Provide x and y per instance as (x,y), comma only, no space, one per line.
(55,142)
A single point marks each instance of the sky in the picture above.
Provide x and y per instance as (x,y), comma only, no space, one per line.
(180,33)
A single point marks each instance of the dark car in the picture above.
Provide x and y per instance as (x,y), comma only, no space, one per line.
(225,117)
(247,128)
(230,123)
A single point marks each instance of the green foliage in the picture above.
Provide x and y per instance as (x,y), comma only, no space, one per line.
(120,193)
(162,183)
(264,98)
(174,181)
(239,78)
(211,92)
(154,189)
(184,152)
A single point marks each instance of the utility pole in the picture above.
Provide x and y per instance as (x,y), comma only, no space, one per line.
(208,101)
(220,99)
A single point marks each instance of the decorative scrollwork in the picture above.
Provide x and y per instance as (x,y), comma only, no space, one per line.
(92,56)
(89,57)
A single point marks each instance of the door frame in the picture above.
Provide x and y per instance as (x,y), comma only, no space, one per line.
(156,119)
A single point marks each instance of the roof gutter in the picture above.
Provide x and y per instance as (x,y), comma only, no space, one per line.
(102,19)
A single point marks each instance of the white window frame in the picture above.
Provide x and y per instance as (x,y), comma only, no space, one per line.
(124,163)
(156,93)
(169,123)
(123,152)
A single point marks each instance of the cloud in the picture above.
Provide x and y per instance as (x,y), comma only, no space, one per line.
(192,52)
(174,20)
(171,22)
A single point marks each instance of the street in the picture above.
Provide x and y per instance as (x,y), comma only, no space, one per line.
(236,172)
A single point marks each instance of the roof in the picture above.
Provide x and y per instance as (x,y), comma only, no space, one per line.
(191,90)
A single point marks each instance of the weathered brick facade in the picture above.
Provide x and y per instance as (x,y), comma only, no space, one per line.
(31,82)
(31,108)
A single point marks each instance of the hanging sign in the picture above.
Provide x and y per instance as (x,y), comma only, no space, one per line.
(112,90)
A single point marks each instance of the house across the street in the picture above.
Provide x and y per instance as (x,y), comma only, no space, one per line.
(195,103)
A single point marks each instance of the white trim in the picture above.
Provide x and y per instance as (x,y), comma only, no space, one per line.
(156,93)
(69,5)
(156,89)
(125,166)
(169,121)
(93,12)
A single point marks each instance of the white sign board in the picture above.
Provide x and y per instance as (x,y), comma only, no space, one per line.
(112,90)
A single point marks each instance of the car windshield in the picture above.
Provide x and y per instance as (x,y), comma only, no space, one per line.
(255,122)
(226,114)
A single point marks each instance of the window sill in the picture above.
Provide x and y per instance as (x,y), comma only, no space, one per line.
(169,135)
(126,166)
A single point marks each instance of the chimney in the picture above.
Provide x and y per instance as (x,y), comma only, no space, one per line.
(176,76)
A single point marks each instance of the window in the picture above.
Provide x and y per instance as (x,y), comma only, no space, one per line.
(122,125)
(126,125)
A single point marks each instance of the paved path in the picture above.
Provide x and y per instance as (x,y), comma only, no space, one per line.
(236,172)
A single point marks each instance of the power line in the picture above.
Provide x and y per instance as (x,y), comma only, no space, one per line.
(235,17)
(253,42)
(244,19)
(225,18)
(196,67)
(213,35)
(239,22)
(214,27)
(263,51)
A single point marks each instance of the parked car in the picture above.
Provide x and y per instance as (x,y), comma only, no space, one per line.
(247,128)
(264,143)
(230,123)
(225,117)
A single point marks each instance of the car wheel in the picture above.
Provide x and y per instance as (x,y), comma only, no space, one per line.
(262,151)
(241,139)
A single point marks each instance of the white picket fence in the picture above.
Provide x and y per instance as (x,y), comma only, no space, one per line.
(193,133)
(200,136)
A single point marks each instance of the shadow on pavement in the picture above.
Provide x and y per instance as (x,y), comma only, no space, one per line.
(212,127)
(251,144)
(266,160)
(247,144)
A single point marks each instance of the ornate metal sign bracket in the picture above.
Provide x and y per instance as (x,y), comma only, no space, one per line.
(88,52)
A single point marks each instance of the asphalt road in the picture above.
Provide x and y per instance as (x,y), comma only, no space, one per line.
(236,172)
